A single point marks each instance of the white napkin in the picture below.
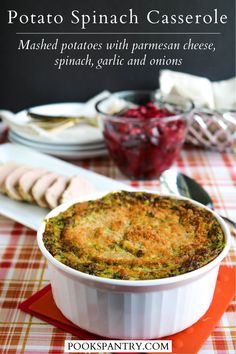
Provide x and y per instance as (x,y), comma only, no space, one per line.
(204,93)
(87,110)
(225,94)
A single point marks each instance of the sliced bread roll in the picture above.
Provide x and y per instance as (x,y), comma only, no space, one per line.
(26,182)
(5,170)
(55,191)
(41,186)
(11,182)
(77,187)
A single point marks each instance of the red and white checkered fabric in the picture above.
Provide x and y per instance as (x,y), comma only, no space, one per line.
(23,269)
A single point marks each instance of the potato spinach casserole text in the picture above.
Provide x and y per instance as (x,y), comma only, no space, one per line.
(134,236)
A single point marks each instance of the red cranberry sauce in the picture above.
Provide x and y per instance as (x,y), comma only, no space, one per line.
(144,147)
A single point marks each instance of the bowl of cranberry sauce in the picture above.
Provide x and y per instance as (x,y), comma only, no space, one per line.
(143,134)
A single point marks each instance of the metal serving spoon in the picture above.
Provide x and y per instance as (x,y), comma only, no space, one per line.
(177,183)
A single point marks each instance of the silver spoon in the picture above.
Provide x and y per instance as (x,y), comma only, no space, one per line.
(177,183)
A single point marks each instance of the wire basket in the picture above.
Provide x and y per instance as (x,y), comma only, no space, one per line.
(208,128)
(213,130)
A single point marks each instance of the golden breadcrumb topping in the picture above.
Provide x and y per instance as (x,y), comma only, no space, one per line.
(135,236)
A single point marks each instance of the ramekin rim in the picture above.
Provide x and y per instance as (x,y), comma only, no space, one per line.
(132,283)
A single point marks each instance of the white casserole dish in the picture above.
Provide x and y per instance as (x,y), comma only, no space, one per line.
(129,309)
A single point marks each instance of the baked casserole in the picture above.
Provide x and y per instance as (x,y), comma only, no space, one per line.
(134,236)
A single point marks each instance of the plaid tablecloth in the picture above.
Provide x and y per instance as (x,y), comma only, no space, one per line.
(23,269)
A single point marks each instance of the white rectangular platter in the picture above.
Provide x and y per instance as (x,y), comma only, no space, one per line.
(31,215)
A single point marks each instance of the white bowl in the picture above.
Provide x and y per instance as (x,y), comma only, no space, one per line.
(129,309)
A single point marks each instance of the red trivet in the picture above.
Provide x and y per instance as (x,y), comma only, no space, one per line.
(188,341)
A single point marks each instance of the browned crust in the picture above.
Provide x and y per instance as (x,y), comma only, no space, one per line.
(134,235)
